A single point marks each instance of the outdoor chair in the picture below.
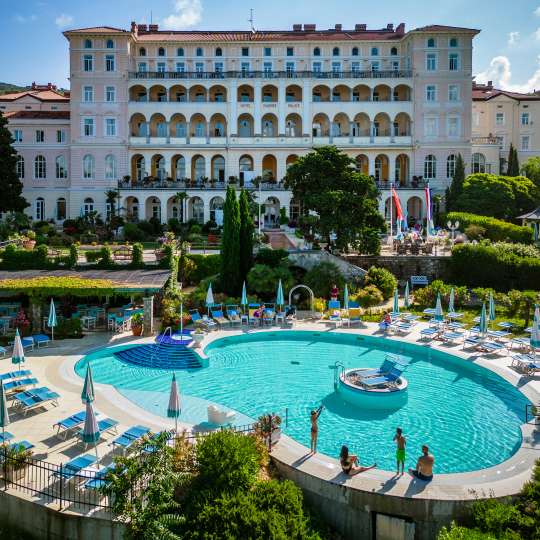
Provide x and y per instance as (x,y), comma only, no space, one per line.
(75,466)
(232,314)
(70,423)
(217,315)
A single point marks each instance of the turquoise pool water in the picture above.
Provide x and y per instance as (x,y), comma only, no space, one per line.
(469,416)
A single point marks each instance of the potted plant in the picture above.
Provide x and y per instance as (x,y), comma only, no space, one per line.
(137,324)
(536,416)
(16,457)
(29,240)
(319,305)
(198,336)
(268,427)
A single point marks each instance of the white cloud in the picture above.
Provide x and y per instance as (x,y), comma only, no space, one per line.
(186,13)
(537,11)
(513,38)
(499,71)
(23,19)
(63,20)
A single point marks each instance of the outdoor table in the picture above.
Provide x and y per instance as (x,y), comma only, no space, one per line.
(88,322)
(244,319)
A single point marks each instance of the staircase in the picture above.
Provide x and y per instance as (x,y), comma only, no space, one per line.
(161,356)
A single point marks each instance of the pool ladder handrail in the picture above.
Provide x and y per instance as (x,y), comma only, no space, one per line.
(339,369)
(159,343)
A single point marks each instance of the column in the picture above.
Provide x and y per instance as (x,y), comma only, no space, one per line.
(282,103)
(207,168)
(147,132)
(351,132)
(372,132)
(391,169)
(206,211)
(257,109)
(281,166)
(306,114)
(168,128)
(371,165)
(233,108)
(148,316)
(163,208)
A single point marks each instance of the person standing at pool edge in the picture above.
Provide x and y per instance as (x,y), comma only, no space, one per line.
(424,466)
(400,450)
(315,428)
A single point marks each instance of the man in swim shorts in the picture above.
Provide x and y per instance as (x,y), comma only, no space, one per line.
(400,449)
(424,466)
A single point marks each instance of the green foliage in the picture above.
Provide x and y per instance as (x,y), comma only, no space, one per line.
(92,256)
(263,280)
(322,277)
(475,232)
(106,257)
(463,533)
(205,266)
(495,229)
(43,287)
(502,197)
(456,187)
(344,200)
(68,328)
(485,265)
(271,257)
(368,297)
(231,279)
(73,256)
(137,256)
(513,162)
(10,184)
(246,236)
(427,296)
(22,259)
(383,279)
(133,233)
(531,169)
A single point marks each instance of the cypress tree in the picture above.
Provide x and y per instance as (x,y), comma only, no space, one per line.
(246,236)
(230,245)
(456,187)
(10,185)
(513,162)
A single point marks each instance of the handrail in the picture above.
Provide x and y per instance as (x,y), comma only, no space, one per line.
(339,369)
(159,342)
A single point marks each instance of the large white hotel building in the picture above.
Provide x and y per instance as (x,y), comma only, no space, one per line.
(152,113)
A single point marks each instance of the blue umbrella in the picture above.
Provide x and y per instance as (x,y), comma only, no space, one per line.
(52,322)
(173,410)
(492,314)
(279,297)
(90,433)
(346,297)
(18,352)
(88,394)
(209,297)
(396,301)
(439,315)
(406,301)
(4,415)
(536,313)
(482,325)
(244,299)
(451,301)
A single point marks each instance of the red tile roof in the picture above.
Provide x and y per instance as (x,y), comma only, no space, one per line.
(442,28)
(38,115)
(41,95)
(485,92)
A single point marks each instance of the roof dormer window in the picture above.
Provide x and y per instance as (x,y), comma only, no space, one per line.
(87,43)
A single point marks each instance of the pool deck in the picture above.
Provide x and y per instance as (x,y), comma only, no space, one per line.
(54,367)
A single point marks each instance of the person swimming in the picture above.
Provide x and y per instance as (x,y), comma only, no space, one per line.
(314,417)
(424,466)
(349,462)
(400,450)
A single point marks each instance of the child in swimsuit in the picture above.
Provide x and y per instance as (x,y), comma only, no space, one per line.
(400,450)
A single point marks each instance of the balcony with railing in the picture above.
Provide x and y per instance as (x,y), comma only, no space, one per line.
(489,140)
(151,183)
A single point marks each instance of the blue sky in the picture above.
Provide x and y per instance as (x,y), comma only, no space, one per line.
(507,50)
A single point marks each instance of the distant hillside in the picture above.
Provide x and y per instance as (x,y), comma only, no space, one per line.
(7,88)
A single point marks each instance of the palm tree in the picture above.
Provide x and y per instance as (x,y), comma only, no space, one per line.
(111,197)
(180,197)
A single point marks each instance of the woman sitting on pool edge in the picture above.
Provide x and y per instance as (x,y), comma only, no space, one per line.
(349,463)
(386,322)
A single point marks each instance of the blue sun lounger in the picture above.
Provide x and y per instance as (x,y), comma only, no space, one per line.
(429,333)
(105,425)
(71,422)
(99,479)
(19,384)
(393,375)
(75,466)
(41,339)
(204,321)
(15,375)
(129,437)
(390,362)
(24,445)
(7,436)
(30,399)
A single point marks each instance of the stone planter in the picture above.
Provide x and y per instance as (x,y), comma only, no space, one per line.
(137,330)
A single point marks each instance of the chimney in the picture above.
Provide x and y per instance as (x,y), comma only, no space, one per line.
(338,27)
(34,85)
(142,28)
(152,27)
(310,27)
(49,86)
(133,27)
(400,29)
(390,27)
(297,27)
(360,27)
(490,84)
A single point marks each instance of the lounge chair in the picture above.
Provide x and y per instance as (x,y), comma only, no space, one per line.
(471,342)
(106,425)
(429,333)
(5,437)
(402,328)
(3,351)
(28,342)
(252,320)
(498,335)
(24,445)
(521,343)
(70,423)
(233,315)
(41,339)
(429,312)
(451,337)
(15,375)
(19,384)
(203,321)
(388,364)
(490,347)
(75,466)
(30,399)
(527,364)
(335,316)
(217,315)
(410,317)
(130,437)
(455,326)
(99,478)
(354,316)
(390,378)
(455,315)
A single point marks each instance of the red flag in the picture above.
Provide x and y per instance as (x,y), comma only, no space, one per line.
(399,211)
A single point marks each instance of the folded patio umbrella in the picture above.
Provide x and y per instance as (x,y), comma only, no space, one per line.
(88,394)
(173,410)
(18,352)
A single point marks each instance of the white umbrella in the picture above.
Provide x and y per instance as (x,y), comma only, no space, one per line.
(173,410)
(18,351)
(88,394)
(4,415)
(451,301)
(90,433)
(209,298)
(52,322)
(439,315)
(406,296)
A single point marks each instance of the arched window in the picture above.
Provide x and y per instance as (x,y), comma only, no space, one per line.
(219,52)
(110,167)
(19,167)
(110,44)
(89,167)
(355,51)
(61,169)
(142,51)
(478,163)
(335,51)
(61,209)
(40,167)
(393,51)
(453,42)
(180,51)
(316,51)
(88,206)
(451,166)
(199,51)
(430,167)
(87,43)
(161,51)
(374,51)
(40,209)
(431,43)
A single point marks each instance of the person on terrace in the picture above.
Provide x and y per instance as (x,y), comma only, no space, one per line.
(424,466)
(349,462)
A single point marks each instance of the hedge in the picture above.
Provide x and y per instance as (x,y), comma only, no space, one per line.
(487,266)
(205,266)
(496,229)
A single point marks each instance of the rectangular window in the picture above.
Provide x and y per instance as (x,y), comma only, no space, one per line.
(161,67)
(110,127)
(17,135)
(453,61)
(109,62)
(290,68)
(476,118)
(245,51)
(336,68)
(290,51)
(268,51)
(180,67)
(60,136)
(199,67)
(453,93)
(525,119)
(317,67)
(40,135)
(525,143)
(88,94)
(267,66)
(142,67)
(375,66)
(431,62)
(453,126)
(88,62)
(110,94)
(499,119)
(431,93)
(431,127)
(395,65)
(218,67)
(88,130)
(355,67)
(244,66)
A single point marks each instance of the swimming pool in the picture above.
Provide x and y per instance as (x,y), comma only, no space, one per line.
(469,416)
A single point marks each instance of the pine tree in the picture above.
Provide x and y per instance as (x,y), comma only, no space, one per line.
(456,187)
(246,236)
(10,185)
(513,162)
(230,245)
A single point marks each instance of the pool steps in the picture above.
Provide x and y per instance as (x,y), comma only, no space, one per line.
(161,356)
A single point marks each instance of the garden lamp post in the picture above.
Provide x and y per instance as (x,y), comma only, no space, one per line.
(260,204)
(453,228)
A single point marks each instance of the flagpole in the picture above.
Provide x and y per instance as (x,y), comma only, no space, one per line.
(391,210)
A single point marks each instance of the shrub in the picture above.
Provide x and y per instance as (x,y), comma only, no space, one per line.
(369,296)
(132,233)
(205,266)
(495,229)
(68,328)
(22,259)
(427,296)
(383,279)
(462,533)
(322,277)
(263,280)
(92,256)
(475,232)
(137,256)
(106,258)
(270,257)
(73,256)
